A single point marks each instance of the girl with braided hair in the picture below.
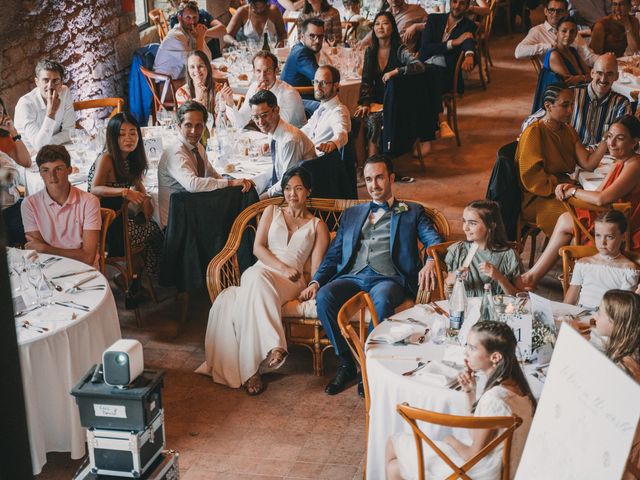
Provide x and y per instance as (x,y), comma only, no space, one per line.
(491,350)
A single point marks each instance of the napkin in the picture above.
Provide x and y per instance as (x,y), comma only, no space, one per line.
(437,373)
(395,334)
(30,255)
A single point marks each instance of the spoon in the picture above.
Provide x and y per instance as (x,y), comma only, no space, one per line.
(420,366)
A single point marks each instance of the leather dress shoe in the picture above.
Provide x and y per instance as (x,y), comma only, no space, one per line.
(344,376)
(361,389)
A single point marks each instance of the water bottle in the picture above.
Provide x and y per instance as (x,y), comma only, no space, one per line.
(487,307)
(457,303)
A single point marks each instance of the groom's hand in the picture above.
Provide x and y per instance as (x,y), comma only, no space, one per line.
(427,276)
(309,292)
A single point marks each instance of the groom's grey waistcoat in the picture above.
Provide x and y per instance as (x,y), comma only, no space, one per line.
(375,247)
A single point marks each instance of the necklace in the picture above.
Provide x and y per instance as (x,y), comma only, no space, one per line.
(609,258)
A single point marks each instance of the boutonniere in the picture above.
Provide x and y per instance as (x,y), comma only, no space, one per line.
(400,207)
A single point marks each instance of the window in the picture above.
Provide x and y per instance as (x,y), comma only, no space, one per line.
(142,13)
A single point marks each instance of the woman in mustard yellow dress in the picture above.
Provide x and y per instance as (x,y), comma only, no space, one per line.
(548,152)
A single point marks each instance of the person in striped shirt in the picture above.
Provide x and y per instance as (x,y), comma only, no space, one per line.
(595,105)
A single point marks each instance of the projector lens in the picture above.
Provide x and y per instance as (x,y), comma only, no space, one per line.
(121,359)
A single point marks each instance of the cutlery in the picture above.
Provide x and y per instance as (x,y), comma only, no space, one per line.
(408,320)
(50,261)
(27,310)
(438,309)
(33,327)
(397,357)
(74,306)
(56,287)
(420,366)
(82,282)
(65,275)
(76,303)
(85,289)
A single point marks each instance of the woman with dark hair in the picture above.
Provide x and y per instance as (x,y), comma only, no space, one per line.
(116,175)
(253,20)
(200,85)
(620,185)
(323,10)
(385,58)
(562,63)
(245,336)
(491,350)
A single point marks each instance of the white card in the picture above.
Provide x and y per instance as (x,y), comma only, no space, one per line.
(542,307)
(153,147)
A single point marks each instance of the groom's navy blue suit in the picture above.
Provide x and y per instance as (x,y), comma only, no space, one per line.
(338,283)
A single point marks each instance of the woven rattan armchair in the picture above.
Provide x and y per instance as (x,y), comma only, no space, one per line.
(300,320)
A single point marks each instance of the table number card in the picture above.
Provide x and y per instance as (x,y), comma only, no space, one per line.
(153,147)
(586,418)
(523,329)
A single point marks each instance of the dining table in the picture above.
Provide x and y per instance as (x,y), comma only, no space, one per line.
(591,181)
(61,334)
(426,388)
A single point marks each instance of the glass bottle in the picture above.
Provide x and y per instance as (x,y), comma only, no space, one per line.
(457,303)
(487,307)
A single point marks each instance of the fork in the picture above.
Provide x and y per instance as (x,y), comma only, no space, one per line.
(85,289)
(420,366)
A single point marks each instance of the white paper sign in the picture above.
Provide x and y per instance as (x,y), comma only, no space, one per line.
(541,307)
(113,411)
(586,418)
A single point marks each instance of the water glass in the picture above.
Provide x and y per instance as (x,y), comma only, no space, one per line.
(34,275)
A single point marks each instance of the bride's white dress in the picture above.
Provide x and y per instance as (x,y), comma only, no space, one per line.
(245,322)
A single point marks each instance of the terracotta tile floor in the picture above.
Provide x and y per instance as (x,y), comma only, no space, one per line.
(293,430)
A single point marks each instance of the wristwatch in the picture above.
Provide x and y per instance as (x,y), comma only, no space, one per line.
(17,137)
(573,194)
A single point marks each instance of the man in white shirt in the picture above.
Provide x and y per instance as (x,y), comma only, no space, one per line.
(183,166)
(542,38)
(288,145)
(185,36)
(329,126)
(265,69)
(45,115)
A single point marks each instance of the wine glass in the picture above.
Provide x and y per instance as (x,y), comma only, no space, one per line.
(34,275)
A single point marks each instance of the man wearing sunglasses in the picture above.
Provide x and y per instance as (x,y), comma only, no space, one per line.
(542,38)
(45,115)
(288,145)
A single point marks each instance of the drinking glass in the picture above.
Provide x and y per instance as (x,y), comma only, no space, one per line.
(34,275)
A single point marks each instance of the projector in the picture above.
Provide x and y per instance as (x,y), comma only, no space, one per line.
(122,363)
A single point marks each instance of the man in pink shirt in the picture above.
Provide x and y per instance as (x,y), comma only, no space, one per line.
(61,219)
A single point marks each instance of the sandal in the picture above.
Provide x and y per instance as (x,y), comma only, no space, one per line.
(254,386)
(276,357)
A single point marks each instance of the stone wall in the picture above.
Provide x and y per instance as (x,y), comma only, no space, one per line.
(93,39)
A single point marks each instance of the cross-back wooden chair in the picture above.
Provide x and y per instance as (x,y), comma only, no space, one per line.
(108,216)
(412,415)
(304,90)
(302,326)
(581,233)
(572,253)
(482,37)
(537,65)
(438,253)
(157,18)
(163,91)
(529,230)
(110,102)
(358,307)
(450,100)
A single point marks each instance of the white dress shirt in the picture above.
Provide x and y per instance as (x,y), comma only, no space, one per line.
(331,122)
(292,147)
(542,38)
(177,172)
(289,101)
(36,128)
(171,58)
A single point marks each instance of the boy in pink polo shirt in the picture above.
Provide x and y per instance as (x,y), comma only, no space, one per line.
(61,219)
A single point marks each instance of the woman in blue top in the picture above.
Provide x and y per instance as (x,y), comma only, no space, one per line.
(562,63)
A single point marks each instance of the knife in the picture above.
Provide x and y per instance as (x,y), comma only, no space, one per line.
(65,275)
(74,306)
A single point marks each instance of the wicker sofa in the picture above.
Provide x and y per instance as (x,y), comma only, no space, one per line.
(301,322)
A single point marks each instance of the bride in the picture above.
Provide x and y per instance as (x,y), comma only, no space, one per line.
(245,335)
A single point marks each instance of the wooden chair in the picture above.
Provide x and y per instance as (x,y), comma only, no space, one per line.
(482,37)
(438,253)
(110,102)
(581,232)
(357,307)
(163,91)
(157,18)
(509,424)
(450,101)
(529,230)
(302,326)
(571,253)
(505,6)
(304,90)
(108,216)
(537,65)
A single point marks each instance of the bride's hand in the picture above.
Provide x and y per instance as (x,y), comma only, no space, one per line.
(291,273)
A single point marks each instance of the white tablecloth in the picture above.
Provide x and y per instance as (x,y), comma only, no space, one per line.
(54,361)
(388,387)
(591,181)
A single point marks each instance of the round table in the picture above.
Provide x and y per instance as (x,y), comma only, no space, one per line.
(53,361)
(388,387)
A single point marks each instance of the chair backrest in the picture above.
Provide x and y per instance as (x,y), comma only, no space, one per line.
(155,80)
(127,258)
(223,270)
(108,216)
(157,18)
(116,103)
(358,305)
(304,90)
(509,424)
(537,65)
(579,229)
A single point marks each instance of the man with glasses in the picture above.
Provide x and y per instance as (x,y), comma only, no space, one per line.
(329,126)
(184,166)
(45,115)
(302,62)
(542,38)
(265,70)
(288,145)
(61,219)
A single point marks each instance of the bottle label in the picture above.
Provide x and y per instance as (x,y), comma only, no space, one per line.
(456,320)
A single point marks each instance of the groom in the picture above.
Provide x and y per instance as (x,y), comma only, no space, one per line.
(376,251)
